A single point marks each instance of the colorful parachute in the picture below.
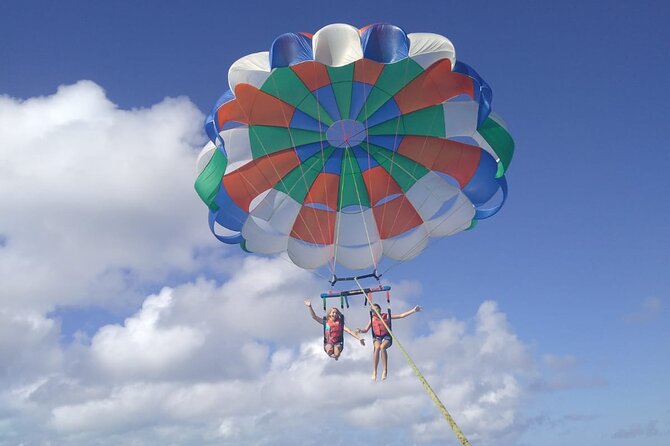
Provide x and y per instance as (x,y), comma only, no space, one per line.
(349,145)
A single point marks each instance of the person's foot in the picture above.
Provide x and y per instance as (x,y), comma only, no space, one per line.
(383,375)
(374,375)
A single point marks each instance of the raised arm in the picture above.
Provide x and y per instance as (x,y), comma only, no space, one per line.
(361,340)
(406,313)
(312,313)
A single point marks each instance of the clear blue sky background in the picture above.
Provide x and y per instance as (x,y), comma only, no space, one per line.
(584,239)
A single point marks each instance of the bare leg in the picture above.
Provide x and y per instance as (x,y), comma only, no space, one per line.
(337,350)
(375,359)
(384,346)
(328,348)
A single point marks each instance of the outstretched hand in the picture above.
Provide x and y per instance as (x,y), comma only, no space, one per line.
(307,302)
(417,309)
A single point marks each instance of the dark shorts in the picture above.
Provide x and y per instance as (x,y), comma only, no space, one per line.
(381,339)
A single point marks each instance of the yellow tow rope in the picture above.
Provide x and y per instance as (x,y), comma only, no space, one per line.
(454,427)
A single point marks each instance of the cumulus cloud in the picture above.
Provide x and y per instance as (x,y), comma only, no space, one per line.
(96,207)
(94,200)
(141,344)
(228,363)
(28,345)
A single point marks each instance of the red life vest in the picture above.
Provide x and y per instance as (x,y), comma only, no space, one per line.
(378,328)
(334,331)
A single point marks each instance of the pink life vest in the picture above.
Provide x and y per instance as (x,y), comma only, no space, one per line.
(378,328)
(334,331)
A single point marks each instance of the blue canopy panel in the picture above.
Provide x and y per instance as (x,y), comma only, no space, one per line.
(228,239)
(483,92)
(385,113)
(211,127)
(364,159)
(306,151)
(229,215)
(389,142)
(326,97)
(359,95)
(483,186)
(334,163)
(290,49)
(482,212)
(385,43)
(303,121)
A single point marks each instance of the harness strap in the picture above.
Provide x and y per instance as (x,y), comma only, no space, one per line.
(325,333)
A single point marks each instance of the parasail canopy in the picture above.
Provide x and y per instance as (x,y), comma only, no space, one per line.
(351,145)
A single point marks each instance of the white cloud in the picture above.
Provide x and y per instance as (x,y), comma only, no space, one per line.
(97,205)
(190,357)
(142,346)
(28,345)
(94,198)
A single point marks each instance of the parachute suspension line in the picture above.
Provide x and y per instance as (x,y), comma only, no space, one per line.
(395,141)
(365,225)
(410,251)
(445,413)
(337,224)
(281,179)
(323,168)
(302,171)
(365,105)
(365,108)
(312,271)
(392,163)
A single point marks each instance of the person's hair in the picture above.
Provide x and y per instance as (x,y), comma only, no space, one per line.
(379,309)
(338,312)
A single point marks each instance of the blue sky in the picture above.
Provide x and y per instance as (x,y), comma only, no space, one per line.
(577,261)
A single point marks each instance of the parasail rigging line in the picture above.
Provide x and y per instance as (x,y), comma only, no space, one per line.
(433,396)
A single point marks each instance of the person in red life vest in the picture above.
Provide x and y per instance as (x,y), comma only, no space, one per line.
(381,337)
(333,331)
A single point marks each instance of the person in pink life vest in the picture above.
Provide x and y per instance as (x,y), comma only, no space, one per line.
(333,330)
(381,337)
